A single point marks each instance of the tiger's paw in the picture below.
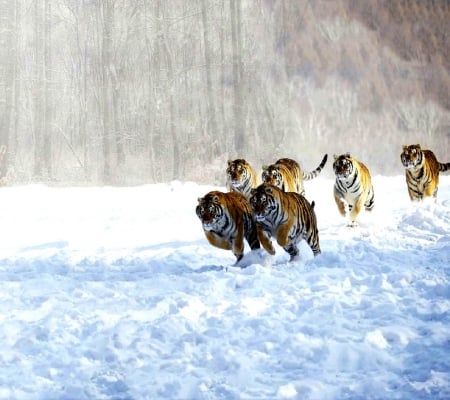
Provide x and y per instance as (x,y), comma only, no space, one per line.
(256,256)
(238,258)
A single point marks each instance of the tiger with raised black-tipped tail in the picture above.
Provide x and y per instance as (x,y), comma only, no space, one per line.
(287,175)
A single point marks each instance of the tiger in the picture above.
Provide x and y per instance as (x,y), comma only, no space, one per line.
(241,177)
(422,172)
(353,186)
(287,175)
(287,216)
(227,219)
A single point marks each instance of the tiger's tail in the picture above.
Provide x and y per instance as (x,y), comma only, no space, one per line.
(312,174)
(444,167)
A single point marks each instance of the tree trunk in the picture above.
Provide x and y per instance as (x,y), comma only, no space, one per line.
(164,45)
(238,106)
(47,92)
(212,122)
(108,18)
(38,89)
(152,133)
(7,77)
(118,138)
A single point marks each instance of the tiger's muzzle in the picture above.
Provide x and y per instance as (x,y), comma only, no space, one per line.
(260,217)
(409,164)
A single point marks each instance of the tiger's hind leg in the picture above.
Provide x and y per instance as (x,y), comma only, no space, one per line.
(251,235)
(313,243)
(431,190)
(293,251)
(370,202)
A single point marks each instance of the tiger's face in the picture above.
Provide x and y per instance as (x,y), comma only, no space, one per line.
(262,201)
(237,172)
(343,166)
(411,156)
(272,176)
(210,212)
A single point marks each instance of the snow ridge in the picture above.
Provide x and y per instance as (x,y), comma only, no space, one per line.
(114,293)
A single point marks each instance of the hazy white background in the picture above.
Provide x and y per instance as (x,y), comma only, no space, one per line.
(147,91)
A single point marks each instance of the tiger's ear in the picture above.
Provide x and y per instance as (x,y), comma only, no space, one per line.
(215,199)
(347,154)
(229,162)
(405,147)
(418,146)
(252,191)
(268,189)
(335,157)
(200,199)
(265,167)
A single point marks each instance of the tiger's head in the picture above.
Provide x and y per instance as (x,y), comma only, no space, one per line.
(263,201)
(238,172)
(210,211)
(411,156)
(271,175)
(343,166)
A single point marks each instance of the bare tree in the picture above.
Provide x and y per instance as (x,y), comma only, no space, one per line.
(47,133)
(209,85)
(238,101)
(7,78)
(38,90)
(107,14)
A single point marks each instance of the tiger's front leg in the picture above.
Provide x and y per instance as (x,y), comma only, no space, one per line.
(264,238)
(286,242)
(341,204)
(356,209)
(354,215)
(283,235)
(217,240)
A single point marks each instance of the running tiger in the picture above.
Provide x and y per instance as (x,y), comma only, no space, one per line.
(287,175)
(227,219)
(287,216)
(241,177)
(422,171)
(353,186)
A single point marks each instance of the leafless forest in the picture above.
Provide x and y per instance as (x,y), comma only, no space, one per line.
(141,91)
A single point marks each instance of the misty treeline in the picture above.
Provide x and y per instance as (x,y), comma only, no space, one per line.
(133,91)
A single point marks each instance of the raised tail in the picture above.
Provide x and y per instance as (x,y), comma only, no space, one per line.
(311,175)
(444,167)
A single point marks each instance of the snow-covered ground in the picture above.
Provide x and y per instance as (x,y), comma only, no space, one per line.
(114,293)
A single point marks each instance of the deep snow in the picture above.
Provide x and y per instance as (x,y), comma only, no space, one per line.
(114,293)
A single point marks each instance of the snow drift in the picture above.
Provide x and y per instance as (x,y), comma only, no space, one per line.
(114,293)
